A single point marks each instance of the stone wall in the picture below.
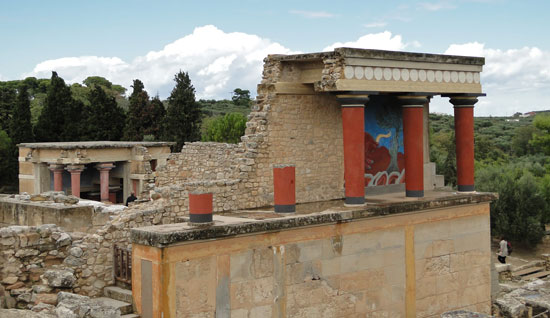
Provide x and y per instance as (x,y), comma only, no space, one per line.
(426,263)
(31,258)
(28,252)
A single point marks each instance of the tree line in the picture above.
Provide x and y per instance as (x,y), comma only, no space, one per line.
(49,110)
(512,157)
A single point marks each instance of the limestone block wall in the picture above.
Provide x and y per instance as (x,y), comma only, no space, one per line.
(305,130)
(418,264)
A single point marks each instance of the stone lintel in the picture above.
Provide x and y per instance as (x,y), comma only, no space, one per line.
(94,144)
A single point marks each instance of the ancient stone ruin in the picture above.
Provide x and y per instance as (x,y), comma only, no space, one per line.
(368,230)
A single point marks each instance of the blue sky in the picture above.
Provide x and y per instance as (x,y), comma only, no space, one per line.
(222,43)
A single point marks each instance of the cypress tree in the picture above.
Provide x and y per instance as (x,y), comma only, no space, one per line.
(21,128)
(183,117)
(105,119)
(155,114)
(59,113)
(135,123)
(7,100)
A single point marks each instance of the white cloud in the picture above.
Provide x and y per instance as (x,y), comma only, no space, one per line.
(379,41)
(217,63)
(312,14)
(436,6)
(375,25)
(514,80)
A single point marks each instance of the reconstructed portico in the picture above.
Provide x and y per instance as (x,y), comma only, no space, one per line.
(397,80)
(76,167)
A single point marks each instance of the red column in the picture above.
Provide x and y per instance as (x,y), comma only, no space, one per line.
(353,124)
(464,142)
(75,171)
(57,170)
(413,123)
(104,169)
(200,207)
(284,187)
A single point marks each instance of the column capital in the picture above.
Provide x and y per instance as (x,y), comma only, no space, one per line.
(413,100)
(75,168)
(352,100)
(104,166)
(56,166)
(463,101)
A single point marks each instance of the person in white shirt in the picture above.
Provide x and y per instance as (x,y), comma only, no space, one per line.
(503,251)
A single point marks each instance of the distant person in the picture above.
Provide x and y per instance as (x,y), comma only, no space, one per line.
(503,250)
(131,198)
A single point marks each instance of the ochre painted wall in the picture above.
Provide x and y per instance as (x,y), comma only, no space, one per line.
(417,264)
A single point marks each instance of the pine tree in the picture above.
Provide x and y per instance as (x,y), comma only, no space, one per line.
(134,129)
(21,128)
(104,118)
(61,115)
(183,117)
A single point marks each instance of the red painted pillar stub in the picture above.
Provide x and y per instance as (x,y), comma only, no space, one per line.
(413,142)
(284,188)
(200,207)
(353,125)
(464,137)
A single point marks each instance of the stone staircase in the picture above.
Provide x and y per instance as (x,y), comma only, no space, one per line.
(529,273)
(119,298)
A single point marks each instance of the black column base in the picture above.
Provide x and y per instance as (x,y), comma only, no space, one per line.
(200,218)
(414,193)
(285,208)
(466,188)
(355,200)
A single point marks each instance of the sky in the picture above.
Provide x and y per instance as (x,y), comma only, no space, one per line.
(222,43)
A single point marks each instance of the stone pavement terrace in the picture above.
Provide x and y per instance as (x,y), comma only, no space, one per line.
(264,219)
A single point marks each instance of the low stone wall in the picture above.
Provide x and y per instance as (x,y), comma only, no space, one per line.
(73,215)
(34,258)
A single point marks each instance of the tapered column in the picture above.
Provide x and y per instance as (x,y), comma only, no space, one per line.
(200,207)
(464,136)
(75,171)
(413,123)
(104,169)
(57,170)
(284,188)
(353,124)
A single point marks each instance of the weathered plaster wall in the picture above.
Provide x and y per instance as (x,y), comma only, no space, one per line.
(415,264)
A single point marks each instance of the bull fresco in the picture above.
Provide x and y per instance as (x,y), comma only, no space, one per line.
(384,154)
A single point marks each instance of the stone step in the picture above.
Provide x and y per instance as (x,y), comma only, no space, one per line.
(125,308)
(537,275)
(528,271)
(118,293)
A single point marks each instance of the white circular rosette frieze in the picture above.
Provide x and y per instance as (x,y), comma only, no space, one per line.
(409,75)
